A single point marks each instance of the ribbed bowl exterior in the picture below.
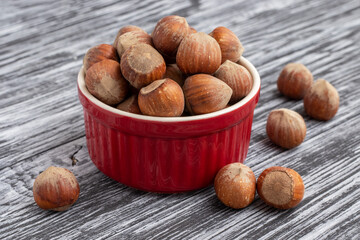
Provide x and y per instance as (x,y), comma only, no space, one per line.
(162,156)
(165,165)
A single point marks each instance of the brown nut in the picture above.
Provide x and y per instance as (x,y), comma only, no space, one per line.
(294,80)
(168,33)
(285,128)
(56,189)
(162,98)
(129,39)
(231,47)
(280,187)
(174,73)
(237,77)
(129,28)
(99,53)
(141,64)
(205,93)
(105,82)
(235,185)
(198,53)
(130,105)
(321,101)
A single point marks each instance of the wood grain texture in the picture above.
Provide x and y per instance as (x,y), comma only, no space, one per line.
(41,121)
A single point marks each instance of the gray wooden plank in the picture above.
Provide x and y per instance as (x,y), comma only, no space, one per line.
(41,122)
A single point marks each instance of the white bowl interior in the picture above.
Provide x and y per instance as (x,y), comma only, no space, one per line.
(244,62)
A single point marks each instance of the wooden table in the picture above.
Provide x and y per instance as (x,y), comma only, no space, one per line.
(41,121)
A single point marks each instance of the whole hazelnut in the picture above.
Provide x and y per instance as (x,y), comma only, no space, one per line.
(129,28)
(280,187)
(205,93)
(99,53)
(294,80)
(174,73)
(162,98)
(105,82)
(141,64)
(285,128)
(129,39)
(231,47)
(130,105)
(237,77)
(198,53)
(56,189)
(321,101)
(168,33)
(235,185)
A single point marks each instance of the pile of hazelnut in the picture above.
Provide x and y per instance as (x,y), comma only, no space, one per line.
(286,128)
(175,71)
(138,74)
(235,184)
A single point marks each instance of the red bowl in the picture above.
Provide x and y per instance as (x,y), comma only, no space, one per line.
(167,154)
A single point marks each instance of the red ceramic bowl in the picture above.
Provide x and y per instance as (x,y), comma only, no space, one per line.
(167,154)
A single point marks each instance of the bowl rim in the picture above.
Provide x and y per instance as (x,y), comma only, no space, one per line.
(243,61)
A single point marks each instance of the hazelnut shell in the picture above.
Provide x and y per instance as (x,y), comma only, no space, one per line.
(105,81)
(237,77)
(205,93)
(294,80)
(280,187)
(174,73)
(235,185)
(230,45)
(130,105)
(198,53)
(56,189)
(286,128)
(129,39)
(162,98)
(168,33)
(141,64)
(128,28)
(98,53)
(322,101)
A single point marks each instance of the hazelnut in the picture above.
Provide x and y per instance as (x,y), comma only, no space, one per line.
(162,98)
(99,53)
(237,77)
(129,39)
(130,105)
(168,33)
(105,82)
(321,101)
(235,185)
(231,47)
(294,80)
(286,128)
(198,53)
(56,189)
(174,73)
(129,28)
(280,187)
(141,64)
(205,93)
